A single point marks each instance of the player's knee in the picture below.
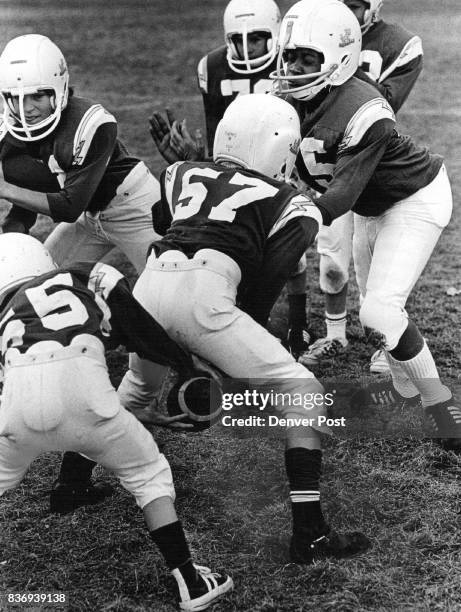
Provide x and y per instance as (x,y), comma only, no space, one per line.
(382,322)
(333,277)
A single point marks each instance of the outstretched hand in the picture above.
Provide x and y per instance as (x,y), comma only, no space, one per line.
(191,148)
(160,131)
(173,139)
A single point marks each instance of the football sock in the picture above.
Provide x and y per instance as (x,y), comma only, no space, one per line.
(297,310)
(303,467)
(400,380)
(75,469)
(171,542)
(422,372)
(336,325)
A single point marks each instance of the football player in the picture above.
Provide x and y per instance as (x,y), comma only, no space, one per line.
(242,66)
(391,59)
(352,154)
(233,232)
(61,157)
(54,326)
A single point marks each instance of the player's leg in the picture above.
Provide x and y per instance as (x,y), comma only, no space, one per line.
(121,444)
(197,308)
(141,385)
(298,337)
(335,248)
(79,241)
(127,221)
(406,236)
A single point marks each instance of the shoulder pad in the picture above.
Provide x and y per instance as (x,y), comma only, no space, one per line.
(3,130)
(412,50)
(299,206)
(102,279)
(369,113)
(202,74)
(93,118)
(169,179)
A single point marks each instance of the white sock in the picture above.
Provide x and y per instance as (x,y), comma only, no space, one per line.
(336,325)
(400,380)
(422,372)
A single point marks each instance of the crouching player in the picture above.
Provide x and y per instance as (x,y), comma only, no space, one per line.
(55,325)
(233,233)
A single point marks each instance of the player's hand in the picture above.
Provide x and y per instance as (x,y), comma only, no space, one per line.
(152,416)
(160,130)
(191,148)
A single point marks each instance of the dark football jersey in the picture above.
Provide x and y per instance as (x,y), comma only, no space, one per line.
(220,84)
(352,154)
(262,224)
(85,299)
(391,57)
(79,165)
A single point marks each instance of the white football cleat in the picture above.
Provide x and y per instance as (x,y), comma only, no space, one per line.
(378,363)
(209,587)
(323,348)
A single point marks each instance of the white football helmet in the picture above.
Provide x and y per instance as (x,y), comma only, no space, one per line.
(29,64)
(245,16)
(21,259)
(260,132)
(371,14)
(331,29)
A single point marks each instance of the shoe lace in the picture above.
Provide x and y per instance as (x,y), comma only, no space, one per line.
(202,570)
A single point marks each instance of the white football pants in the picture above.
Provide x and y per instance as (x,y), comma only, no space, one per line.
(194,301)
(334,245)
(391,251)
(126,223)
(62,399)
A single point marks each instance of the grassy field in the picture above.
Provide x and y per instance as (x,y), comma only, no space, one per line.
(134,56)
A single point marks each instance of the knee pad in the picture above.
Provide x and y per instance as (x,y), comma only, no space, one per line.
(383,323)
(333,274)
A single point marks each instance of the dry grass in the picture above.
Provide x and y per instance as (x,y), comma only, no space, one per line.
(133,55)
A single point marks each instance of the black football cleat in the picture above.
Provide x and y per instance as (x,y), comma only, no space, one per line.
(298,341)
(65,498)
(331,544)
(444,425)
(382,394)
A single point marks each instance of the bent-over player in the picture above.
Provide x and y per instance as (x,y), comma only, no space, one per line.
(233,232)
(55,325)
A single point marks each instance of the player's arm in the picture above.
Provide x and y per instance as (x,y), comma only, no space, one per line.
(18,168)
(79,186)
(130,324)
(362,148)
(291,235)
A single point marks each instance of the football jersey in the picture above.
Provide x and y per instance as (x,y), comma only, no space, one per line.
(264,225)
(79,165)
(352,154)
(220,85)
(392,57)
(85,299)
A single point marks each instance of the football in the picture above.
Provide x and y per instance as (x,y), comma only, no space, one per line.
(199,397)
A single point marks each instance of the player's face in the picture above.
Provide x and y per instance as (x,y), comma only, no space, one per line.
(257,44)
(358,7)
(302,61)
(37,107)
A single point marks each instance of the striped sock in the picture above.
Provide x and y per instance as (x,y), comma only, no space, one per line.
(336,325)
(303,468)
